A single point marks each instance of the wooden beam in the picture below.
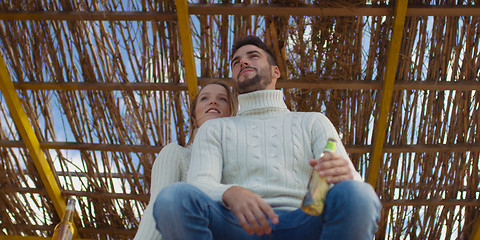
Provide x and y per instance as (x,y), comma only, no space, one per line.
(100,86)
(418,148)
(430,202)
(26,132)
(10,237)
(87,16)
(187,47)
(88,194)
(109,175)
(312,10)
(438,11)
(281,84)
(236,9)
(375,85)
(376,156)
(126,196)
(279,10)
(101,147)
(87,146)
(353,149)
(87,230)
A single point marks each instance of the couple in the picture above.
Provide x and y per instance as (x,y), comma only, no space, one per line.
(249,173)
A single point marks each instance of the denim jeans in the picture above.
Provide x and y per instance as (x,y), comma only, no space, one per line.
(184,212)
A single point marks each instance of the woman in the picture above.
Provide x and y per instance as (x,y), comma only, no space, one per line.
(214,100)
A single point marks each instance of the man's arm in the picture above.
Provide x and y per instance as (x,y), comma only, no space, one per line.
(336,167)
(206,164)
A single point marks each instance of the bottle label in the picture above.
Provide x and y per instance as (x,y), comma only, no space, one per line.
(317,188)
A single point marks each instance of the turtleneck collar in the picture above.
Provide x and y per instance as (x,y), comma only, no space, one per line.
(261,101)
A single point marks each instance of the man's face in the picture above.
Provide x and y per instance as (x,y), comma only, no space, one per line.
(251,70)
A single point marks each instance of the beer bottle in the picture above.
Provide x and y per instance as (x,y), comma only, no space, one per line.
(317,188)
(64,230)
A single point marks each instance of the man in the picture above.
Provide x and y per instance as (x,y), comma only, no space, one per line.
(249,173)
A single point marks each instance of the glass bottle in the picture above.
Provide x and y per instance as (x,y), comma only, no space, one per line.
(317,188)
(64,230)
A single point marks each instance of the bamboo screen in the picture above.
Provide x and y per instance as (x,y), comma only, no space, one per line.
(103,86)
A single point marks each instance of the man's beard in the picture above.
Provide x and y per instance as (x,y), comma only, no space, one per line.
(258,82)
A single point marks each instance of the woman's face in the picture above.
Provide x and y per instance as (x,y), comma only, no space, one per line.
(212,102)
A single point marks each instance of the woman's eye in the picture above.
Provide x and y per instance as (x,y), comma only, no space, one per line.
(203,98)
(223,99)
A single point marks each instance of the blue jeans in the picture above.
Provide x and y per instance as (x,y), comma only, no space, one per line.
(184,212)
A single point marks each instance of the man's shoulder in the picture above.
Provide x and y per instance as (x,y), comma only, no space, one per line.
(310,118)
(214,124)
(308,114)
(216,121)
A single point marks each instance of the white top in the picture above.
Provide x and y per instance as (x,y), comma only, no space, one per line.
(265,148)
(171,165)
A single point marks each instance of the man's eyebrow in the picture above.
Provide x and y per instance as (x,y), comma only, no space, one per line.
(253,51)
(248,53)
(235,58)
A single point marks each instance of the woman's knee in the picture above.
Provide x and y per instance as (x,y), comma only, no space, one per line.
(169,192)
(168,198)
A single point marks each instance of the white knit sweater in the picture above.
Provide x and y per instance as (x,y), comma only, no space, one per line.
(265,148)
(171,165)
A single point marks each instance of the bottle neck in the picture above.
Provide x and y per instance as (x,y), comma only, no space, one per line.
(69,211)
(68,216)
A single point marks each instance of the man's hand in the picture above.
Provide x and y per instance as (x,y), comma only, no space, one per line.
(250,209)
(333,167)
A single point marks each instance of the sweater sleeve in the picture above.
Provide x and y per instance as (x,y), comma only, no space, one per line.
(206,160)
(166,170)
(322,130)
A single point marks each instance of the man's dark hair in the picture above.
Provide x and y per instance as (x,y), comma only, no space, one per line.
(252,40)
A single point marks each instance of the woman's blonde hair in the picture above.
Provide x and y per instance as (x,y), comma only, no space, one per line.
(232,103)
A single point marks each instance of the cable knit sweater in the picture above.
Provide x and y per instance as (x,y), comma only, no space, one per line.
(171,165)
(265,148)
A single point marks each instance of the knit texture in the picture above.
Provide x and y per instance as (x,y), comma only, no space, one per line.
(265,149)
(171,165)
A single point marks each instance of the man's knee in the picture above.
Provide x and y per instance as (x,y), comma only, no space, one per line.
(356,194)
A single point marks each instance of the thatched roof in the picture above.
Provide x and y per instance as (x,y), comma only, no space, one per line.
(99,87)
